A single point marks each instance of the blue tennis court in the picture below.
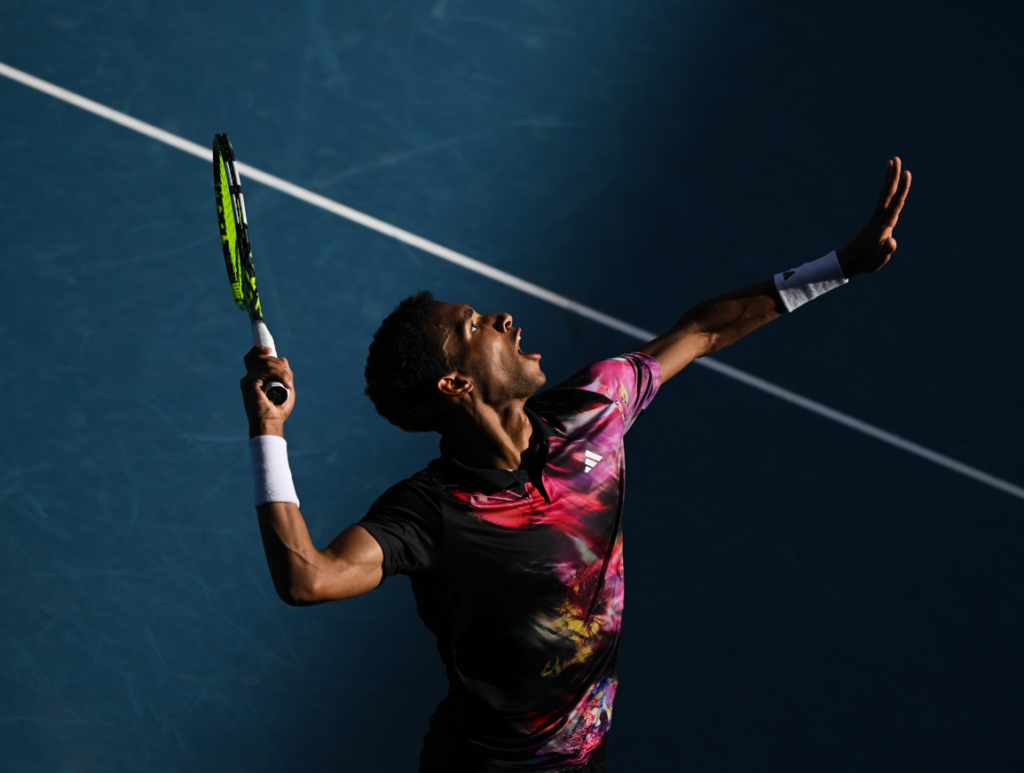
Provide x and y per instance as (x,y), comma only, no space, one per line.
(802,596)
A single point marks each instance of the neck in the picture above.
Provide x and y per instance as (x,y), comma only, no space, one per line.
(491,437)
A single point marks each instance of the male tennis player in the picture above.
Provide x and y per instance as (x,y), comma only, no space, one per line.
(513,537)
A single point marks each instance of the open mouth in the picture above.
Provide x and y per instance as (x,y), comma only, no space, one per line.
(519,349)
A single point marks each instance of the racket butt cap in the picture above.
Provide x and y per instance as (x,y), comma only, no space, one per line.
(276,393)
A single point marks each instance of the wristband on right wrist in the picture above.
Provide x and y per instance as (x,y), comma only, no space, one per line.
(800,285)
(271,474)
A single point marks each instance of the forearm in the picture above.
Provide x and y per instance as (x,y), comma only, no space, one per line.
(724,320)
(715,324)
(293,560)
(353,563)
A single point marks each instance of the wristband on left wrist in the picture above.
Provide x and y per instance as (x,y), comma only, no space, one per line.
(805,283)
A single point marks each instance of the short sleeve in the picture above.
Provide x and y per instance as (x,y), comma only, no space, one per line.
(406,522)
(630,381)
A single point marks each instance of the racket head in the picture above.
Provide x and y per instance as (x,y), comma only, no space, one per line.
(234,230)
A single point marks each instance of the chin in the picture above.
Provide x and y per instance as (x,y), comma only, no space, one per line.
(524,382)
(540,379)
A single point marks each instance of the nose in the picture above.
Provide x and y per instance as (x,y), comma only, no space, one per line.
(504,322)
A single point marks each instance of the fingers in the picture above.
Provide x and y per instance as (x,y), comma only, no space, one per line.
(896,204)
(264,368)
(272,369)
(253,355)
(892,175)
(265,373)
(886,184)
(257,393)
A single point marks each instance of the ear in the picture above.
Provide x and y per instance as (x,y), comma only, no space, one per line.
(454,385)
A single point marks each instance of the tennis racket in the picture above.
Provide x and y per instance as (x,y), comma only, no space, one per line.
(234,237)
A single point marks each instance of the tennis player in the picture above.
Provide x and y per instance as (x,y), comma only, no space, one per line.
(513,537)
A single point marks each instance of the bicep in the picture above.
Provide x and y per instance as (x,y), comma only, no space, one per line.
(353,565)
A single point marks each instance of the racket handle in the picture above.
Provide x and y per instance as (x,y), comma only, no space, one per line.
(275,391)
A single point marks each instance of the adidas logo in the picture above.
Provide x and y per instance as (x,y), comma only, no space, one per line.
(591,461)
(787,274)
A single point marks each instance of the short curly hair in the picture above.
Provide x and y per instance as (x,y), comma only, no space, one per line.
(406,360)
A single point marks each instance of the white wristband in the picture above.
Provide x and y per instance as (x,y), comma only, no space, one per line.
(270,471)
(799,285)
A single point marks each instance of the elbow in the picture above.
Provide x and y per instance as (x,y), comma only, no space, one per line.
(290,599)
(297,599)
(706,342)
(297,594)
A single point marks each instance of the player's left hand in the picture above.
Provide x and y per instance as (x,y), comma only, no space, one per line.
(873,246)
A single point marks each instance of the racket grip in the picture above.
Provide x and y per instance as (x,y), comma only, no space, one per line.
(275,391)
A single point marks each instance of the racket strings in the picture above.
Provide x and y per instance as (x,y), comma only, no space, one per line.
(234,229)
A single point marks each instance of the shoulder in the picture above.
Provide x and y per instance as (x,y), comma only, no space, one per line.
(406,521)
(625,380)
(609,377)
(409,505)
(417,492)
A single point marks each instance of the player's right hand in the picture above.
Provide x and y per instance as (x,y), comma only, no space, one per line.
(265,418)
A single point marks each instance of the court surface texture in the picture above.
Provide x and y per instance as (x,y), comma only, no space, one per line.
(802,596)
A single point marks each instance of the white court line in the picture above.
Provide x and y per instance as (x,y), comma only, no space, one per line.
(505,278)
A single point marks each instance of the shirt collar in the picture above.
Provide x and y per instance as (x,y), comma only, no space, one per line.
(491,481)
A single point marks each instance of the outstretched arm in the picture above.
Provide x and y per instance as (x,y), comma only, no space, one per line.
(718,322)
(353,563)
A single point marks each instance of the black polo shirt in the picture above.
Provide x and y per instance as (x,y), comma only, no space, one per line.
(519,575)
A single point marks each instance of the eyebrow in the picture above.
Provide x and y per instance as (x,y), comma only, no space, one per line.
(467,315)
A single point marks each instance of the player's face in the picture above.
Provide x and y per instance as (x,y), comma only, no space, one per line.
(485,348)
